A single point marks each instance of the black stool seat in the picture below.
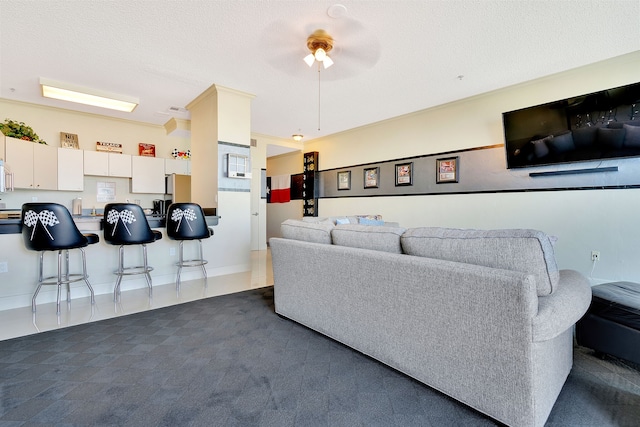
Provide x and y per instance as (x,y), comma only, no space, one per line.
(50,227)
(186,222)
(125,224)
(612,323)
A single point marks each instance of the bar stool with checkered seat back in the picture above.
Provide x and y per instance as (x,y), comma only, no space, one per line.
(50,227)
(186,221)
(125,224)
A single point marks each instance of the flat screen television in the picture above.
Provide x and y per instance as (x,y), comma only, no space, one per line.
(591,127)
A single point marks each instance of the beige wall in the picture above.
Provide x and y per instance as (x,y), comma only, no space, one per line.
(90,128)
(290,163)
(603,220)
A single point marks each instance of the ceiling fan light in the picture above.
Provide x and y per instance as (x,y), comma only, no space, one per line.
(309,59)
(320,54)
(328,62)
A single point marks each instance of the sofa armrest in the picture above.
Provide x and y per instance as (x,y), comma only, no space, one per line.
(563,308)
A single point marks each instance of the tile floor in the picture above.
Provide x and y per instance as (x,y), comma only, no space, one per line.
(21,321)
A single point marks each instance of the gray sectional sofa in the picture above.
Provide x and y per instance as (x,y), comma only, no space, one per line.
(485,317)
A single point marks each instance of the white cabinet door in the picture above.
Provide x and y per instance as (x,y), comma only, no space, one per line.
(70,169)
(147,175)
(34,166)
(45,167)
(19,155)
(177,166)
(120,165)
(107,164)
(96,163)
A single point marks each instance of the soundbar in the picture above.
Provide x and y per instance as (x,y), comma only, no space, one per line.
(574,171)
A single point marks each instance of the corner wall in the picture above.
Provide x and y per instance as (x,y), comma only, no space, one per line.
(583,221)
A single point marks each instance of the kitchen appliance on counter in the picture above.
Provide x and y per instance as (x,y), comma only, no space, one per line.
(77,207)
(160,206)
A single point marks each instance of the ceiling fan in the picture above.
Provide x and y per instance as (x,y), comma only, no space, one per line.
(320,44)
(344,41)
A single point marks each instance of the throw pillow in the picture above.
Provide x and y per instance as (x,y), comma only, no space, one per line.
(540,147)
(367,221)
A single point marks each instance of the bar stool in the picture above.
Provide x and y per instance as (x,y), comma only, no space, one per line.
(50,227)
(125,224)
(185,221)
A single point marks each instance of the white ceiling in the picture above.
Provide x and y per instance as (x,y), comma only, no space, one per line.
(391,57)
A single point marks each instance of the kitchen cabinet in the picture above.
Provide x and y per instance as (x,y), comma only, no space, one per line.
(34,166)
(2,148)
(177,166)
(107,164)
(70,169)
(147,175)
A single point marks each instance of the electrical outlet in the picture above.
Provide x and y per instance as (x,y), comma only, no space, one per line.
(172,251)
(595,256)
(4,267)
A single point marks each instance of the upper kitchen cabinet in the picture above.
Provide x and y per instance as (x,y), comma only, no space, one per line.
(147,175)
(70,170)
(177,166)
(107,164)
(34,166)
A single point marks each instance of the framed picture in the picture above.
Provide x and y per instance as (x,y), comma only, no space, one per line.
(371,177)
(447,170)
(344,180)
(404,174)
(147,150)
(69,140)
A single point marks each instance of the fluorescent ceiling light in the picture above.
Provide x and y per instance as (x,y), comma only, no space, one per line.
(81,95)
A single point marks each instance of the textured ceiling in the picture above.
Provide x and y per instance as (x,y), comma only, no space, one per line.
(391,57)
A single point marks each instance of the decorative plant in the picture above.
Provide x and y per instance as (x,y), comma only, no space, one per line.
(19,130)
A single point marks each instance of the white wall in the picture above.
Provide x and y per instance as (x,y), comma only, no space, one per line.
(583,221)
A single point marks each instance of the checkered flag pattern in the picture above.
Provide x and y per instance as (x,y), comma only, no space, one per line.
(46,218)
(127,217)
(178,214)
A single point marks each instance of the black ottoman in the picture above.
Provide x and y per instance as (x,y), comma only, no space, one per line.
(612,323)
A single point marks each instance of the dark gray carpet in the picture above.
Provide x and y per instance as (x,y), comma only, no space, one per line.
(231,361)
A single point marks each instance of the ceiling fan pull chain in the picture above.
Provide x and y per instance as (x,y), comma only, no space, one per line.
(318,96)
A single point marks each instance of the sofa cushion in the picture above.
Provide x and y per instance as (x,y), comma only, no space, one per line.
(631,136)
(611,138)
(585,137)
(561,143)
(316,232)
(528,251)
(375,237)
